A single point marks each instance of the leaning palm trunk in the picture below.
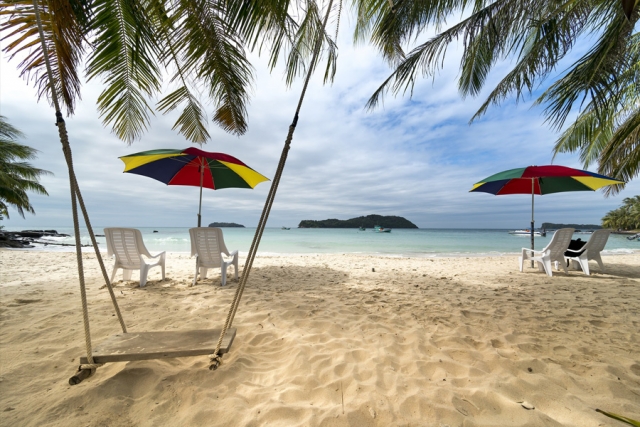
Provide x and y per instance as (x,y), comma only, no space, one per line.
(76,198)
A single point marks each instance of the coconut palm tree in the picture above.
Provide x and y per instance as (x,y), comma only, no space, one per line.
(536,35)
(17,177)
(626,217)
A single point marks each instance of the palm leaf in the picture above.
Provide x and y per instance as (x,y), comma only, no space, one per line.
(620,418)
(62,22)
(214,52)
(125,58)
(595,75)
(192,121)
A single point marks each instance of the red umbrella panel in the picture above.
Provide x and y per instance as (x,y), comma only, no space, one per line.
(193,167)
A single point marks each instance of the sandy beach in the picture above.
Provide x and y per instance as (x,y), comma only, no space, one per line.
(330,340)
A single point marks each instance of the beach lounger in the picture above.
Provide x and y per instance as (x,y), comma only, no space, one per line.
(127,246)
(553,252)
(590,251)
(207,244)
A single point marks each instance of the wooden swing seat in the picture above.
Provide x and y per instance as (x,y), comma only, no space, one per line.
(160,345)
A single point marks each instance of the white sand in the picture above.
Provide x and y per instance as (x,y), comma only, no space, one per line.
(324,340)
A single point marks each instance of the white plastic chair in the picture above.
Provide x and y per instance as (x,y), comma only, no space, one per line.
(207,244)
(553,252)
(127,246)
(590,251)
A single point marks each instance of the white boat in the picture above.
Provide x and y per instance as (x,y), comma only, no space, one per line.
(528,233)
(379,229)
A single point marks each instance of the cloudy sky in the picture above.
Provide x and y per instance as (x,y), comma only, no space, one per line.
(415,157)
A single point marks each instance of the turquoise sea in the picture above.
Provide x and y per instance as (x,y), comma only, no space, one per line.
(400,242)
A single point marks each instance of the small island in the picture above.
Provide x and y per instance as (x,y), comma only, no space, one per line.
(225,224)
(368,221)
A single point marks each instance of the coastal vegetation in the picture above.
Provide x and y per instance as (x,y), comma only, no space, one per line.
(17,177)
(626,217)
(368,221)
(226,224)
(554,226)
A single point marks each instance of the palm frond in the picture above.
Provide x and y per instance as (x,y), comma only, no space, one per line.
(595,75)
(64,37)
(540,47)
(214,52)
(428,57)
(620,159)
(589,134)
(125,58)
(192,122)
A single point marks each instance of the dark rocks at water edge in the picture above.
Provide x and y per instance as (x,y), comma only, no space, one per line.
(26,238)
(368,221)
(225,224)
(36,234)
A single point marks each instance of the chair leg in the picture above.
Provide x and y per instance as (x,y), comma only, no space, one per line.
(597,259)
(521,262)
(113,274)
(546,265)
(223,273)
(144,272)
(564,266)
(195,277)
(584,264)
(126,274)
(235,264)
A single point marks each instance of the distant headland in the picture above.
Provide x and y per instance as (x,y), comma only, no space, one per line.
(552,226)
(368,221)
(225,224)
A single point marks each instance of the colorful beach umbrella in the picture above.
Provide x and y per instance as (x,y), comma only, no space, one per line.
(542,180)
(193,167)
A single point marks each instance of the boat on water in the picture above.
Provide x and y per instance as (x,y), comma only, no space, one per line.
(286,228)
(379,229)
(362,229)
(634,237)
(527,232)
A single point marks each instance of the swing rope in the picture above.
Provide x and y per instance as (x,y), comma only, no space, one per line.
(76,198)
(215,356)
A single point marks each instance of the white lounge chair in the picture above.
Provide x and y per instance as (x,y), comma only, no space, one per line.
(207,244)
(127,246)
(590,251)
(553,252)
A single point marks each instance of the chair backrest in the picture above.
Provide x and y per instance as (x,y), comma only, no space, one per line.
(127,246)
(559,243)
(597,241)
(208,244)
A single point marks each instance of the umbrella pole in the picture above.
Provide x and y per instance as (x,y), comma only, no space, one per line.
(200,206)
(532,220)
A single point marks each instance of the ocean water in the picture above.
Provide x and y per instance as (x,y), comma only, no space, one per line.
(400,242)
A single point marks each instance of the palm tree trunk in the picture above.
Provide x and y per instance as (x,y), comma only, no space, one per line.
(76,198)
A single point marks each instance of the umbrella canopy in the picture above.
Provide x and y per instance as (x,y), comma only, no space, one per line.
(193,167)
(542,180)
